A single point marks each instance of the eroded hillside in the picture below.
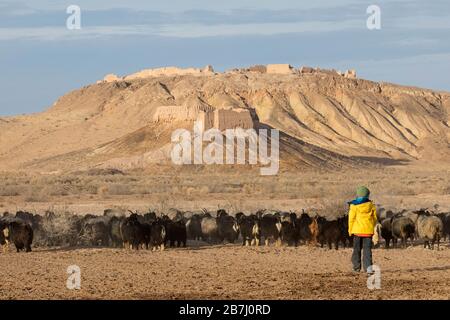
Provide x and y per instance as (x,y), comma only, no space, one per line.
(325,119)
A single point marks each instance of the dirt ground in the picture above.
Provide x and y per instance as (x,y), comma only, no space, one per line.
(227,271)
(223,272)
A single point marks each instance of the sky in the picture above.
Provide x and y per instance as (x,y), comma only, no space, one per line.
(41,59)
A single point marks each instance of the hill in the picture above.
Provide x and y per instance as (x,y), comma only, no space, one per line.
(326,119)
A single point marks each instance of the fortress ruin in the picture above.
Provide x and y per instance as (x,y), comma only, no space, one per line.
(170,71)
(232,118)
(179,113)
(279,68)
(208,70)
(222,119)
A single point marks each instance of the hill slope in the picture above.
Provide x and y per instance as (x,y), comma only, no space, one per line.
(326,120)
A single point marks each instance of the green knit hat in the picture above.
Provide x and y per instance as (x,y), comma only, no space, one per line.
(362,192)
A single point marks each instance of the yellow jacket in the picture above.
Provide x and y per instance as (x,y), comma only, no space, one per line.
(362,218)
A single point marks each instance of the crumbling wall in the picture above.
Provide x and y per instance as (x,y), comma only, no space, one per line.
(206,118)
(111,77)
(331,72)
(170,71)
(258,68)
(279,68)
(228,118)
(305,69)
(232,118)
(348,74)
(179,113)
(351,74)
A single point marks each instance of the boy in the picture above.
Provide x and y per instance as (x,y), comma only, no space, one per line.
(362,218)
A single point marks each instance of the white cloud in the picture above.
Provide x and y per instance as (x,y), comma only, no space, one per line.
(193,30)
(179,30)
(421,23)
(15,9)
(182,5)
(410,42)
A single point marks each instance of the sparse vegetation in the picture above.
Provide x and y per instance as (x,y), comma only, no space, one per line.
(324,189)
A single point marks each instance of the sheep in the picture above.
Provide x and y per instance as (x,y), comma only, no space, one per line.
(386,232)
(447,225)
(445,217)
(429,228)
(403,228)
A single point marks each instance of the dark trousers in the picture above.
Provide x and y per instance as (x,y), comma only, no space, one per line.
(363,244)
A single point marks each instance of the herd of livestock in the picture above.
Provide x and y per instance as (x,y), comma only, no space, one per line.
(152,231)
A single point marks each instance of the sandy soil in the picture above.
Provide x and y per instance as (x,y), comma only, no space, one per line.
(223,272)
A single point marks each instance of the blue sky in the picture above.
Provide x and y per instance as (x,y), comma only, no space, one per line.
(40,59)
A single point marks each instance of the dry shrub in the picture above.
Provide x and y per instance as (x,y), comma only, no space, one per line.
(445,190)
(104,172)
(11,191)
(37,195)
(60,230)
(236,184)
(57,190)
(189,190)
(175,190)
(103,190)
(119,189)
(91,189)
(406,191)
(142,190)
